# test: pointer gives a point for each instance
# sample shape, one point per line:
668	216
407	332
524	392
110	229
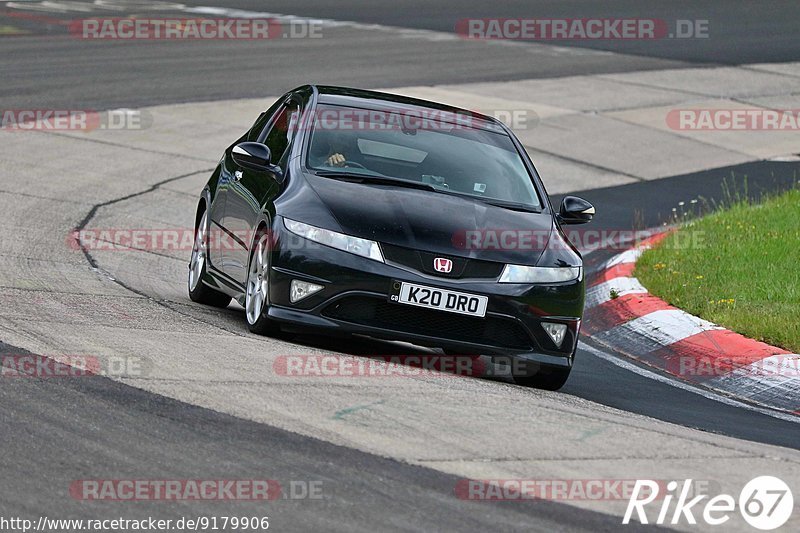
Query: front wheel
198	291
546	378
257	291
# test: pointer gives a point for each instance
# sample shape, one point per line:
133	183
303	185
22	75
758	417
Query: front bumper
355	299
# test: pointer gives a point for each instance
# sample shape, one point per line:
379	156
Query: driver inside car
334	156
336	159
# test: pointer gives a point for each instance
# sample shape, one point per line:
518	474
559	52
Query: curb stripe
628	256
727	343
601	293
688	347
623	270
616	312
711	354
727	399
655	239
772	381
651	332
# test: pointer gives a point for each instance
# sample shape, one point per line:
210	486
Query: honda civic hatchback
357	212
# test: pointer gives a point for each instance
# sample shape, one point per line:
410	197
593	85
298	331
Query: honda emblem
441	264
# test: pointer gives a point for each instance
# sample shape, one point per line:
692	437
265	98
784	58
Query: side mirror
575	210
254	156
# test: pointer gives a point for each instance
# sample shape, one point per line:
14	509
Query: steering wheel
353	164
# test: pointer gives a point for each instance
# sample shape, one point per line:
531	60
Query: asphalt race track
741	34
389	453
180	441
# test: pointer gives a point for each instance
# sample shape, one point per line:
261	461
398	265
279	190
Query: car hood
429	221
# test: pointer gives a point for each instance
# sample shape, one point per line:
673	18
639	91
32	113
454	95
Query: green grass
739	268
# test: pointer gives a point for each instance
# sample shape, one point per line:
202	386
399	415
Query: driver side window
281	132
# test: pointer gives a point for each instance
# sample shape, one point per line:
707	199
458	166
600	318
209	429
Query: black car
359	212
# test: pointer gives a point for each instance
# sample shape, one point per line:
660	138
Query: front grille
376	312
423	262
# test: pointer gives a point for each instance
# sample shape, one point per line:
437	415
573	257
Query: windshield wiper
514	206
382	180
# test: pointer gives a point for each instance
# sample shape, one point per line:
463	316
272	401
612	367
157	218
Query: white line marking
685	386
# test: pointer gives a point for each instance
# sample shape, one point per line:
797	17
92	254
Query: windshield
453	156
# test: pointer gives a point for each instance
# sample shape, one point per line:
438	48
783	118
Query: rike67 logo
765	502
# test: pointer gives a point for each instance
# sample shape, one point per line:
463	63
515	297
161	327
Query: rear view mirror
253	156
575	210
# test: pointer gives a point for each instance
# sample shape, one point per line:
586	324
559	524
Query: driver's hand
336	160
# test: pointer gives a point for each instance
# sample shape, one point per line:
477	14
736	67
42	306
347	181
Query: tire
257	288
546	379
198	291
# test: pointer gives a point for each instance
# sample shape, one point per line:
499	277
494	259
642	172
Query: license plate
441	299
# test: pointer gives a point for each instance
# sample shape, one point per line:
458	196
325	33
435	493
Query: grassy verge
739	268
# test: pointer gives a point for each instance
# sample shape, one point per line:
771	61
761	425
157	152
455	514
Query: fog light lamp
302	289
557	332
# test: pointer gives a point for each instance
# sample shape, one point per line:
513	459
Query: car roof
362	98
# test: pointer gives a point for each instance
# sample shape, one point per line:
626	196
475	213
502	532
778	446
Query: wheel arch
202	206
264	224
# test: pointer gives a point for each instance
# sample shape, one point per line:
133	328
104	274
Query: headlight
340	241
528	274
